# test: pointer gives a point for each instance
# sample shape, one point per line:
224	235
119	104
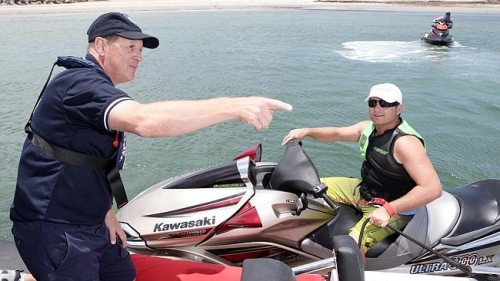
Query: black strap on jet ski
465	268
78	159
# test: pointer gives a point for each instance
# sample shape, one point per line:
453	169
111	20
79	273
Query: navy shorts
54	251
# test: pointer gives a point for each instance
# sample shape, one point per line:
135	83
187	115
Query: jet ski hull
438	40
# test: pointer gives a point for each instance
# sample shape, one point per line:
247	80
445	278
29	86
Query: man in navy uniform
64	224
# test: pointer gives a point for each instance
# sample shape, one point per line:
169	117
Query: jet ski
248	208
439	34
151	268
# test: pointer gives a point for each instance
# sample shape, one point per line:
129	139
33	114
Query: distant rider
446	19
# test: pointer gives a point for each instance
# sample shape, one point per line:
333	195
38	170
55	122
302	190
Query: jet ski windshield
295	172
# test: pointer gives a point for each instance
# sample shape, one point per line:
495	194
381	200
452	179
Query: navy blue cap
121	25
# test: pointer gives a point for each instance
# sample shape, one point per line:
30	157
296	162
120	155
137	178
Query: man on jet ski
396	174
446	19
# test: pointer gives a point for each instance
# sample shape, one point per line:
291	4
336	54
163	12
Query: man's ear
100	45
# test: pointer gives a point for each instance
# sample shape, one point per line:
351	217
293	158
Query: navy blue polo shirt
72	114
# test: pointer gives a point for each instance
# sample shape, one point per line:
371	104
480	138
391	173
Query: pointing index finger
277	104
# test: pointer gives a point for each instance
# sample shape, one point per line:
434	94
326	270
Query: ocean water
321	61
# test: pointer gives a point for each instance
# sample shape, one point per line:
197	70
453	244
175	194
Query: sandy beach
176	5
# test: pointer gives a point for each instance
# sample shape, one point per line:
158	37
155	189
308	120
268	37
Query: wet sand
131	6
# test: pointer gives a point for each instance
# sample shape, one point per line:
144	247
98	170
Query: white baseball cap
387	91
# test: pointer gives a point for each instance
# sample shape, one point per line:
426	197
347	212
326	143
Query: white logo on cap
129	18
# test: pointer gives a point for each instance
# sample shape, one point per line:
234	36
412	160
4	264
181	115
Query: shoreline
486	6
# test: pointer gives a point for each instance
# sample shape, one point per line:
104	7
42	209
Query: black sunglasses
382	103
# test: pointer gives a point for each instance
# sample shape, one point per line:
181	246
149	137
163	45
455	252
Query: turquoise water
321	61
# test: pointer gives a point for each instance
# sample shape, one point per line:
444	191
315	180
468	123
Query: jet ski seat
480	212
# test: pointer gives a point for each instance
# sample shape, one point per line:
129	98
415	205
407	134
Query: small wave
381	51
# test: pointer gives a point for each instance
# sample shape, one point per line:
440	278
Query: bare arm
328	134
173	118
410	152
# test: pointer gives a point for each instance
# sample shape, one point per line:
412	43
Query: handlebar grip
330	202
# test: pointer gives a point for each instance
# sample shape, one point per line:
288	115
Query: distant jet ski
439	35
